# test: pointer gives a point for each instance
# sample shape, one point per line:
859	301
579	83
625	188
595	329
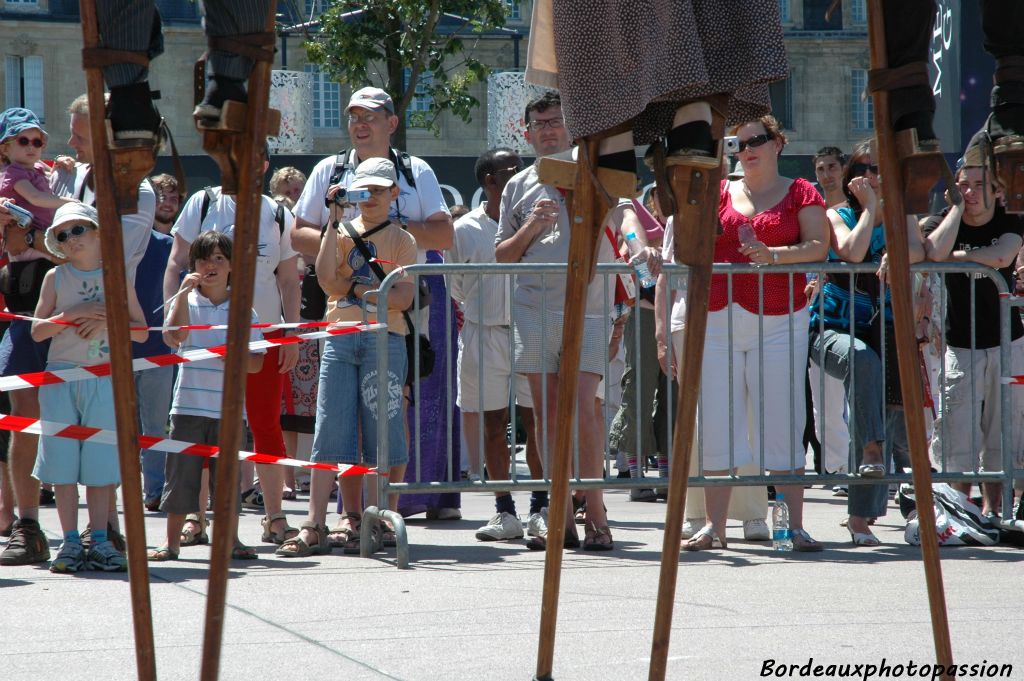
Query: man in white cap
420	207
421	210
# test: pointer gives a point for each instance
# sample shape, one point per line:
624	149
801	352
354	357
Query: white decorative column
291	92
507	96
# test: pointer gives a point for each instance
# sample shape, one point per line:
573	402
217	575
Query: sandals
387	535
704	539
346	529
252	498
804	543
162	554
597	538
862	538
271	537
296	547
243	552
189	536
871	470
288	494
540	543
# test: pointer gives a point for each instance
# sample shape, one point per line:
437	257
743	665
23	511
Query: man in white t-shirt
420	208
275	299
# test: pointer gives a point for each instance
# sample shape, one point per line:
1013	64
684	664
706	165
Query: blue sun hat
17	120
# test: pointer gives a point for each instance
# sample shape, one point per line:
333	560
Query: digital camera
731	144
346	198
20	215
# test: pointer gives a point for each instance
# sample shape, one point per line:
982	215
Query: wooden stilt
588	210
243	272
695	224
906	344
122	375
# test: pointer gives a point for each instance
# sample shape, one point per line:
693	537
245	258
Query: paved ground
469	610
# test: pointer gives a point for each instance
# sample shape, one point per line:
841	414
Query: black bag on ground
21	281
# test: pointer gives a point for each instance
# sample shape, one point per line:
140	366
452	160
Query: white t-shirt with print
273	246
415	204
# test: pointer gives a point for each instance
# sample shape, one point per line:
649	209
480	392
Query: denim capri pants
348	401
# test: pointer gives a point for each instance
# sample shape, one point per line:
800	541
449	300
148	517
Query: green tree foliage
373	42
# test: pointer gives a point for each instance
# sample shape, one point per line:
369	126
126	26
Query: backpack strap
378	271
403	164
341	164
279	218
208	198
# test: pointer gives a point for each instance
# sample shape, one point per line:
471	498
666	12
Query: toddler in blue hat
24	180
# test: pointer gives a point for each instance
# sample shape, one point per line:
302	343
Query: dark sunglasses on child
24	142
77	230
755	141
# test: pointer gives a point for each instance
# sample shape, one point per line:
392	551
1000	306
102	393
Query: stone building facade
41	42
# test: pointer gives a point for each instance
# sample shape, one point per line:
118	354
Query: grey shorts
537	342
184	472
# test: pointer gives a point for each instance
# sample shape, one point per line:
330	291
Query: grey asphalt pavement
471	610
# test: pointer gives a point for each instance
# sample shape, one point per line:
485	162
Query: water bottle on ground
782	536
638	259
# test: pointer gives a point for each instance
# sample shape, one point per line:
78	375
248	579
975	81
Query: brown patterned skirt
615	61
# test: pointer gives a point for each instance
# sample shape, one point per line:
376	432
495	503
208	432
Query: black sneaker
133	117
220	89
27	545
46	497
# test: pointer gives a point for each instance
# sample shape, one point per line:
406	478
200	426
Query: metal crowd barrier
605	277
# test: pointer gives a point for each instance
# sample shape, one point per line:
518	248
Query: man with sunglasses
976	229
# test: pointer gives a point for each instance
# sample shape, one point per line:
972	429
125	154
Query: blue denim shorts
61	461
348	400
19	354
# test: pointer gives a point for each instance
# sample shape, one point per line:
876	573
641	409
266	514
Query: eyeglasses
553	123
368	118
76	231
376	190
861	168
25	141
756	141
507	171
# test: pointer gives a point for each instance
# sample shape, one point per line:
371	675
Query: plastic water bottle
638	258
745	233
782	536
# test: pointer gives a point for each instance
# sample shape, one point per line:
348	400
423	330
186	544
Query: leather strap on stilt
255	46
1009	70
908	75
99	57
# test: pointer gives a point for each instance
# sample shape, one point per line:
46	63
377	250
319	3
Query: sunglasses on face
25	141
861	168
755	141
365	118
76	231
553	123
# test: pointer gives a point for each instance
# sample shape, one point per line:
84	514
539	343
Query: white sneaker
537	523
502	526
756	530
692	526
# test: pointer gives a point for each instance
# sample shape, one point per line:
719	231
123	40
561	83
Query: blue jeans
153	388
849	359
348	401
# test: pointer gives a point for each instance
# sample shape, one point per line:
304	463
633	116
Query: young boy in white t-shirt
195	411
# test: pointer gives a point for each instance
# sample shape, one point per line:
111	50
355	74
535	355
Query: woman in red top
766	219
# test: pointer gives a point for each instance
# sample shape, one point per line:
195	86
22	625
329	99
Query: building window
24	83
785	11
22	3
514	12
781	95
326	100
419	107
858	12
861	107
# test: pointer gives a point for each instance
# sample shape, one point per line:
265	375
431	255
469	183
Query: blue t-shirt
149	282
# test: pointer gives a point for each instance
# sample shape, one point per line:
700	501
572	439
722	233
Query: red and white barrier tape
21	424
39	378
6	316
